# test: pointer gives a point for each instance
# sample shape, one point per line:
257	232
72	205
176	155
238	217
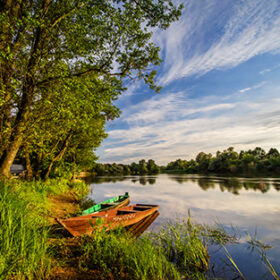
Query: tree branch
80	74
65	15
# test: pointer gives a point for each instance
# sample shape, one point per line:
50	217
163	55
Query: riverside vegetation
32	247
250	162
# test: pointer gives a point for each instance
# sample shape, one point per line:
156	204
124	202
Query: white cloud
192	46
267	70
253	87
166	127
245	89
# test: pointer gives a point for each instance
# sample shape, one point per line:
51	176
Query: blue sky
221	86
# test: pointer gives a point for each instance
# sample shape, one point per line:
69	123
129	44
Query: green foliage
229	161
141	168
246	162
63	64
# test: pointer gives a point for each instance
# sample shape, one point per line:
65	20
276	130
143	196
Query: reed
182	244
121	256
262	249
23	237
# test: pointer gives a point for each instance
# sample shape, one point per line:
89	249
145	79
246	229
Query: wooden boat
112	203
137	229
110	219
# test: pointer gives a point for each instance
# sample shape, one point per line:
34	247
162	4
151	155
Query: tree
273	153
203	161
142	167
152	167
50	45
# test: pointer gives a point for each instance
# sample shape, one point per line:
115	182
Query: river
251	205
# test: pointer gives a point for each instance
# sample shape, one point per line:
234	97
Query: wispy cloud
180	127
267	70
245	89
253	87
192	47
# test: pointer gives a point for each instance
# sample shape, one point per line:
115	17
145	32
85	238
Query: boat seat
108	204
141	208
126	211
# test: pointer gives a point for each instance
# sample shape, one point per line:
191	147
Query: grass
24	207
181	244
23	238
117	255
122	257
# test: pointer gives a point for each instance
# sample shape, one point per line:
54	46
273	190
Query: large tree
52	47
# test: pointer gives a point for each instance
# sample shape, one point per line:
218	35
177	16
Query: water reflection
143	180
231	184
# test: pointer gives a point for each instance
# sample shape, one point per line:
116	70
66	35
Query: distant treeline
143	167
229	161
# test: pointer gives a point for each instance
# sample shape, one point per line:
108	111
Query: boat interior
135	209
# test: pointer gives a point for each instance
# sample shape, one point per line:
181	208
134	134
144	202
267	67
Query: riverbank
33	246
27	224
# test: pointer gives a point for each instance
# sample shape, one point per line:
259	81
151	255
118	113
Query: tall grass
182	244
121	256
23	239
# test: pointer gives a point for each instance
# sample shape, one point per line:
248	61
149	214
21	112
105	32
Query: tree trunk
28	166
10	153
60	154
15	140
38	165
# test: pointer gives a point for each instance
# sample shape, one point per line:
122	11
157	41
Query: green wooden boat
112	203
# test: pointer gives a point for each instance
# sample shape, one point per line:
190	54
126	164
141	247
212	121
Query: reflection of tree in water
276	186
232	185
205	183
181	180
262	186
100	180
152	181
143	180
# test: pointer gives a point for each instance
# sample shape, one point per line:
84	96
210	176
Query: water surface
250	204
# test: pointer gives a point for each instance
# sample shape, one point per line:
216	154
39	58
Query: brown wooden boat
111	219
137	229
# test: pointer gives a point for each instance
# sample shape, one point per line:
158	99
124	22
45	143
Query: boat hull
113	203
108	220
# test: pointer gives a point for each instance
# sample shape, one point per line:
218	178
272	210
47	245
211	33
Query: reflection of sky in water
256	207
